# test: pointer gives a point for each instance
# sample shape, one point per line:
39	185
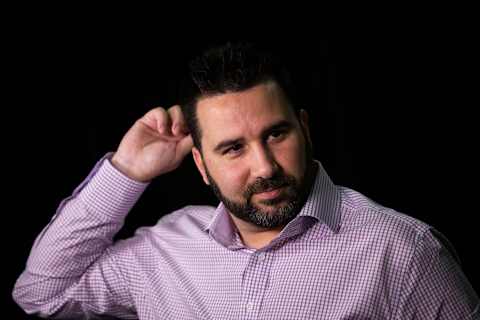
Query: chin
271	207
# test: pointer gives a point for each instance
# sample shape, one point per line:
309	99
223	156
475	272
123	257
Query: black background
391	113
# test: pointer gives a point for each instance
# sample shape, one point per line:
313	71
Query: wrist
123	167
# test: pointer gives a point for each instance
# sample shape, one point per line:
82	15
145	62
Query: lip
270	194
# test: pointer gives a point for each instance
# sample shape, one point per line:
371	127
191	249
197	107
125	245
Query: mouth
270	193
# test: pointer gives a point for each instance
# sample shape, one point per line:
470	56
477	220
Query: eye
233	149
277	134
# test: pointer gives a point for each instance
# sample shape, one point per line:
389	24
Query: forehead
241	114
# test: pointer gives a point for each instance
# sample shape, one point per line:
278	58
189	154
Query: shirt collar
323	204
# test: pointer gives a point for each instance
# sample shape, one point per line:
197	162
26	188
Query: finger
178	120
184	147
159	120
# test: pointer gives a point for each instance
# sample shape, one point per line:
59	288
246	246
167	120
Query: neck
254	236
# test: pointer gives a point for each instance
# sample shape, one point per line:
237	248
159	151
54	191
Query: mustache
268	184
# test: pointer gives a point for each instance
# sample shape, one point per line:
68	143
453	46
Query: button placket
250	306
261	256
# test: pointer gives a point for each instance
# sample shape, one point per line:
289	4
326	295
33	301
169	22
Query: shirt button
250	306
261	256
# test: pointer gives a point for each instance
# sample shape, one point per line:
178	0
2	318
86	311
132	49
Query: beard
293	195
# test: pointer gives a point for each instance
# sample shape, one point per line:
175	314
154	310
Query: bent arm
71	269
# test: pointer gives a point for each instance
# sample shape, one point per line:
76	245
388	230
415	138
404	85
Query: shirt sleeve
71	270
435	286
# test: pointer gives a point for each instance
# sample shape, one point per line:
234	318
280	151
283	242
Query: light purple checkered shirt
343	257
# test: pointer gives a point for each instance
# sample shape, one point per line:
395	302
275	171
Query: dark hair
232	67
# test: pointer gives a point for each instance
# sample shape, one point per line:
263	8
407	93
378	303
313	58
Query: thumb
184	146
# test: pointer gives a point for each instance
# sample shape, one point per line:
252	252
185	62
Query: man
284	242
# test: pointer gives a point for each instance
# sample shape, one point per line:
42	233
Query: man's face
252	142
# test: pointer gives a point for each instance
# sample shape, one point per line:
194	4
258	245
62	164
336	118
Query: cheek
292	157
232	179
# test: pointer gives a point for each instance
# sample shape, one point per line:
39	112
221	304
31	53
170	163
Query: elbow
27	298
32	297
22	298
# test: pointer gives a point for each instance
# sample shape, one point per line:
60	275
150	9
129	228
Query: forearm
78	235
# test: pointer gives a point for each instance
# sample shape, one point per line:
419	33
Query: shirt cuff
110	192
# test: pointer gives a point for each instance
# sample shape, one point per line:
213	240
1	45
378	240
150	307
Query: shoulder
199	216
188	221
185	224
422	265
364	215
404	238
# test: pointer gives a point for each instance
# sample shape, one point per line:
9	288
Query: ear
197	157
304	124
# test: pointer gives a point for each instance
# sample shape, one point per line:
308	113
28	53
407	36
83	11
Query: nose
263	163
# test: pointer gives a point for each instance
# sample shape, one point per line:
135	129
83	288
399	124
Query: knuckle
157	110
175	114
155	113
174	111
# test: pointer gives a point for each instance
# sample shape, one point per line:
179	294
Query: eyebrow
282	124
